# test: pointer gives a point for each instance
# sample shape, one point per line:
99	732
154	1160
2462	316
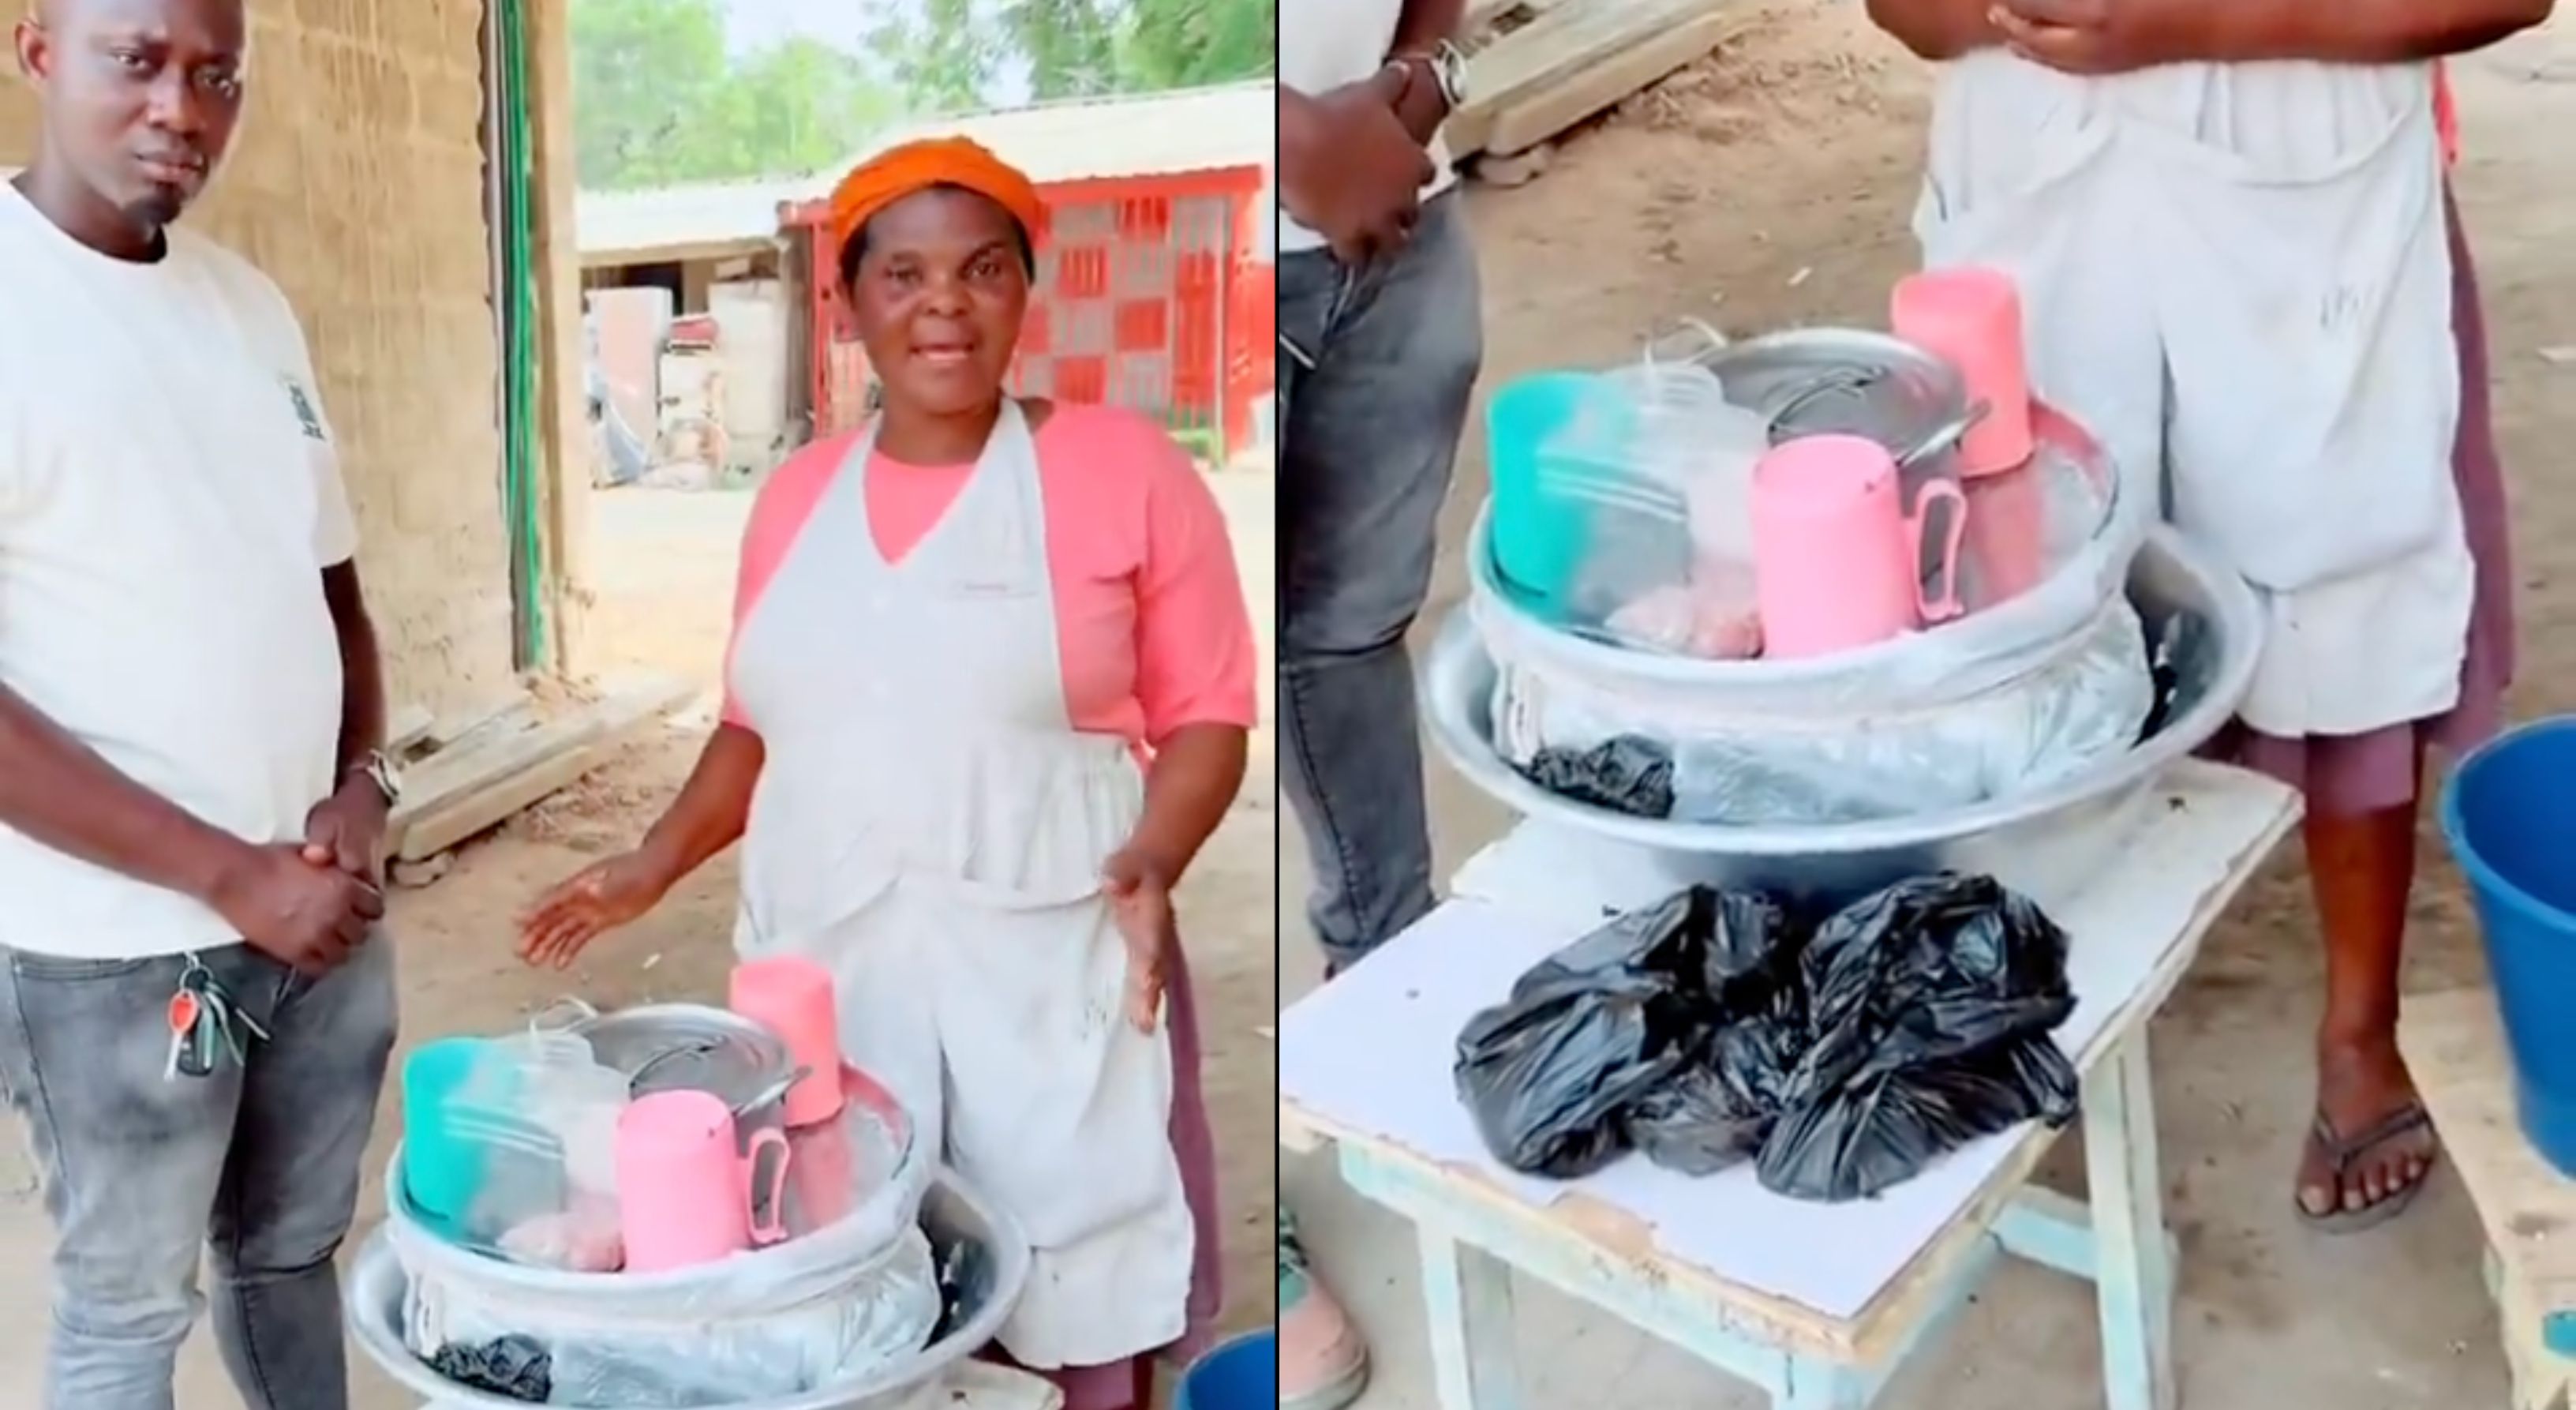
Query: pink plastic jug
1971	318
792	997
687	1195
1835	556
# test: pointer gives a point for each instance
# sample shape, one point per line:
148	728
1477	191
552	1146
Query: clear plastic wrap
1634	521
853	1287
630	1352
2076	526
534	1120
1752	767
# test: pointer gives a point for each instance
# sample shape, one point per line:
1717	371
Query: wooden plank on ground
483	781
476	716
1542	66
407	727
1481	14
1608	83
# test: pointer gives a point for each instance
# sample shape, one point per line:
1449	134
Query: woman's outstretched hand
600	898
1140	900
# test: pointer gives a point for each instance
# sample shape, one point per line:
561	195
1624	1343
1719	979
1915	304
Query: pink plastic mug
792	997
1970	317
686	1195
1836	559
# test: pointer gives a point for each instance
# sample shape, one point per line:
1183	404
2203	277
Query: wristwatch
1447	64
378	768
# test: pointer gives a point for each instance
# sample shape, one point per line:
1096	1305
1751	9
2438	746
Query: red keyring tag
185	1011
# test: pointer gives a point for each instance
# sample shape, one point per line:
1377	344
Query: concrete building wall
357	184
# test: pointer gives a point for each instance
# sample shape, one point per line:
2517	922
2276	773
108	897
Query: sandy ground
1772	186
666	564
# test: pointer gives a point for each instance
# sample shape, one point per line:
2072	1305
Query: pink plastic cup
1971	318
2007	530
687	1195
1836	558
826	1183
792	997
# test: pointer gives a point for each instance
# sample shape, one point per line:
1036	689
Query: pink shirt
1150	619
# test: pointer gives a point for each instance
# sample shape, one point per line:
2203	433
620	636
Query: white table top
1368	1058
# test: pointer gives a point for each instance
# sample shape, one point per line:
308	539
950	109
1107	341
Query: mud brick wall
357	184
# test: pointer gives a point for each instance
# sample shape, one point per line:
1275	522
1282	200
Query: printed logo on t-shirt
305	415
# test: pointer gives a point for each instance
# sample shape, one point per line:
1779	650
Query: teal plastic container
1539	537
443	1168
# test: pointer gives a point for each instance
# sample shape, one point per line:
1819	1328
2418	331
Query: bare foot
2371	1144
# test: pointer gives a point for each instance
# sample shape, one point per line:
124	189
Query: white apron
930	827
2240	276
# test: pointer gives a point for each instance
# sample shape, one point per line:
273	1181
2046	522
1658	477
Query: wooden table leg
1467	1296
2135	1275
2540	1376
1818	1385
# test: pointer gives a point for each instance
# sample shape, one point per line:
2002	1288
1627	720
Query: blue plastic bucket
2509	815
1239	1375
1538	538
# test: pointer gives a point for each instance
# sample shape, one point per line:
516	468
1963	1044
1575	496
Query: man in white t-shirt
195	1014
1381	337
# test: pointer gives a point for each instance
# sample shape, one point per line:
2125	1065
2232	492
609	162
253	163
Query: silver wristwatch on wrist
1447	65
378	768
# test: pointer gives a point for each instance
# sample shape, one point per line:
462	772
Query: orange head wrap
913	167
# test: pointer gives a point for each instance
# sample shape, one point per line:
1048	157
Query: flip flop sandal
2344	1152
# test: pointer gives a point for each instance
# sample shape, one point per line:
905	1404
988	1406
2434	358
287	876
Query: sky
757	22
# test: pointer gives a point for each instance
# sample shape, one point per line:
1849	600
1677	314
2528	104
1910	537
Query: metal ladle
776	1091
1946	438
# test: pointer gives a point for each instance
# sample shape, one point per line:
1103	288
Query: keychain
205	1023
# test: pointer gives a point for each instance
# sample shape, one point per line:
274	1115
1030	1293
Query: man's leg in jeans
1369	437
308	1106
131	1161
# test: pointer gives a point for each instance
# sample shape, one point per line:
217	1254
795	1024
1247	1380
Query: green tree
641	69
945	55
800	105
658	99
1193	43
942	59
1070	46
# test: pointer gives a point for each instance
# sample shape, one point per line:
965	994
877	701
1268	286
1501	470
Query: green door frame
511	200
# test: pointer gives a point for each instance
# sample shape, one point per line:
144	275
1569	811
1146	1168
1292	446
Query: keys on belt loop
206	1024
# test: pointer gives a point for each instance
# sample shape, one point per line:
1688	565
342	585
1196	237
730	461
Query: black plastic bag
1551	1075
1629	774
1719	1110
1748	957
514	1368
1930	1006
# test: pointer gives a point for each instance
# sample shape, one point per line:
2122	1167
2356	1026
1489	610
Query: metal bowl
987	1249
1841	381
2208	614
693	1047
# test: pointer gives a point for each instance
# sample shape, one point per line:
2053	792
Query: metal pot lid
689	1047
1831	381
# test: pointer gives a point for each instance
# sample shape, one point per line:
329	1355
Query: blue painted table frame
1470	1248
1473	1238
